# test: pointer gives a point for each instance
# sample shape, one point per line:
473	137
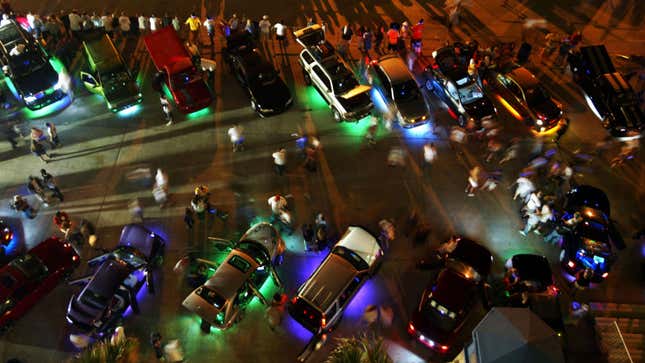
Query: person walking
141	20
20	204
280	160
155	341
52	134
209	24
392	39
429	156
166	108
38	149
193	27
237	139
160	188
281	35
50	183
136	210
189	218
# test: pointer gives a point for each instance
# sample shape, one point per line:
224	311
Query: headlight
538	122
266	110
30	99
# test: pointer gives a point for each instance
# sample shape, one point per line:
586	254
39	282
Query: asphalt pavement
99	168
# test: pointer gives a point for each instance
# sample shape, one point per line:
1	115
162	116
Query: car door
383	82
453	95
239	71
322	82
91	83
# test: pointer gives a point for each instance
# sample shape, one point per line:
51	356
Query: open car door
91	83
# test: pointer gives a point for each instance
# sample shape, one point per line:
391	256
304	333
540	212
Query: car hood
273	96
428	325
37	81
193	93
412	110
123	92
480	108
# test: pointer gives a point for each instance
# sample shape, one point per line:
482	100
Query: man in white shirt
265	28
280	160
154	23
142	23
75	22
5	20
277	203
106	19
281	34
235	133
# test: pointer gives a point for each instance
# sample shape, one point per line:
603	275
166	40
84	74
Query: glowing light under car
510	108
132	110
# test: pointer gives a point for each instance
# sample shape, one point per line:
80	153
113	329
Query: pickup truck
184	80
107	74
26	64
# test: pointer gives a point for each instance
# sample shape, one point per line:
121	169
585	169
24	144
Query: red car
183	79
29	277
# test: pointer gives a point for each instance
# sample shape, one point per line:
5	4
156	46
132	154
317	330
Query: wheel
337	116
306	77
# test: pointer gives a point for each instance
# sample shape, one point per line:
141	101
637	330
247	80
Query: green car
108	75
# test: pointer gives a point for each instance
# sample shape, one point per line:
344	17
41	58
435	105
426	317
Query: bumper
408	124
429	343
184	108
359	114
46	100
122	105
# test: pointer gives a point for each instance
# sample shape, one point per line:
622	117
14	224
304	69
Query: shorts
280	37
391	46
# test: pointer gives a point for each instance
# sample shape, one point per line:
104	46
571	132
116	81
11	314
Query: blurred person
124	24
370	136
417	37
524	188
166	108
280	160
237	139
155	341
176	24
234	23
281	35
166	20
174	352
155	23
189	218
392	39
5	20
108	20
346	32
141	20
277	203
20	204
379	35
75	23
396	156
276	310
97	22
136	210
160	188
52	134
50	183
39	150
429	156
210	25
474	177
551	41
265	29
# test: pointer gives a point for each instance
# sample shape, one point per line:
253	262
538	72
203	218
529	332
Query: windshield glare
406	91
470	93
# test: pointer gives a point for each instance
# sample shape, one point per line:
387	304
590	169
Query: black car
268	93
608	94
449	298
589	232
27	65
531	274
522	94
449	79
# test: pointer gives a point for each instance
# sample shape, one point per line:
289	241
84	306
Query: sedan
28	278
449	298
521	93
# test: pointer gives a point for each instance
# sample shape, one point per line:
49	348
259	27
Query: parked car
449	298
268	93
463	94
113	286
29	277
608	94
321	301
222	299
530	278
589	233
522	94
400	91
107	73
27	65
174	62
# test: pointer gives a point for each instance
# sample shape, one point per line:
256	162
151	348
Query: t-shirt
277	204
280	157
124	23
142	22
75	22
393	36
234	133
193	23
154	22
429	153
280	29
417	31
265	26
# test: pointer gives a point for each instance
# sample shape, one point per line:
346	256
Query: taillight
294	300
411	328
604	276
323	322
571	264
444	348
75	258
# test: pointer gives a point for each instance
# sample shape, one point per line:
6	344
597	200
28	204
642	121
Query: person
174	352
167	109
388	233
155	341
141	20
524	188
237	139
124	24
62	221
107	24
154	23
367	43
75	23
265	29
189	219
524	52
563	51
277	203
417	37
160	188
308	236
209	24
21	205
583	279
234	23
36	186
280	160
533	202
533	218
474	177
379	35
370	136
193	27
347	33
176	24
551	40
52	134
136	210
50	183
429	155
275	312
392	39
166	20
39	150
281	34
396	157
12	135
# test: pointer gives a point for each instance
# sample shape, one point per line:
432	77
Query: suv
320	302
400	91
222	299
108	74
28	67
608	94
331	76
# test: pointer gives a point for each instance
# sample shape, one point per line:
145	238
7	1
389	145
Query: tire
337	117
306	77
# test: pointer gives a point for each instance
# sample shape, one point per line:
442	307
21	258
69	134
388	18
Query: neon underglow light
47	110
198	113
510	108
57	64
313	99
367	295
132	110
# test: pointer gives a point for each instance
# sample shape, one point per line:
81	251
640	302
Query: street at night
169	212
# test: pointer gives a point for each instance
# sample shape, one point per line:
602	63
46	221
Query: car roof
395	69
327	282
264	235
102	52
361	242
524	77
227	279
452	290
597	59
107	278
474	254
532	267
586	195
139	237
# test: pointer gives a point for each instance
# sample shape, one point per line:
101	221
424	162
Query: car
324	69
400	91
450	297
120	274
533	276
27	65
223	298
268	93
609	96
448	78
6	233
29	277
173	61
320	301
589	233
108	74
522	94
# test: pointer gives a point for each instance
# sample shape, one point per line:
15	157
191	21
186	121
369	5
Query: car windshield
265	78
351	257
130	256
254	250
470	93
446	319
183	79
211	296
239	263
536	95
23	65
406	91
94	299
463	269
115	80
344	83
31	266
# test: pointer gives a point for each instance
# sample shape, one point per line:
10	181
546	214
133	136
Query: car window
130	255
350	290
94	300
31	266
351	257
515	89
452	91
536	95
383	79
322	76
470	93
210	296
331	311
239	263
406	91
308	58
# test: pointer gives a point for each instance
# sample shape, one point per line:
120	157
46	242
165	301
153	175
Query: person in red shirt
417	36
392	39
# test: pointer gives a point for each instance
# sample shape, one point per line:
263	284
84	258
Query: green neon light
356	129
198	113
57	65
313	99
47	110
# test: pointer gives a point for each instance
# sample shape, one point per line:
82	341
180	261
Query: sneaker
168	123
523	233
